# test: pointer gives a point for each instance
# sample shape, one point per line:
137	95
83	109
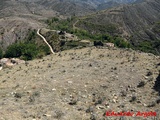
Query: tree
26	51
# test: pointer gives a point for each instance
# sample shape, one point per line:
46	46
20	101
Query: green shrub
14	50
145	46
26	51
119	42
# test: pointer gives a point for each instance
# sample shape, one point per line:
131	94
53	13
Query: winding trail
45	41
74	25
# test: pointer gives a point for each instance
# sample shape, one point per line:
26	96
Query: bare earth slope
15	29
17	18
80	84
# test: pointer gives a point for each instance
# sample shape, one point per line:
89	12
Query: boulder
111	45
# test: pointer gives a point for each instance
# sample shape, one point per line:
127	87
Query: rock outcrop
9	62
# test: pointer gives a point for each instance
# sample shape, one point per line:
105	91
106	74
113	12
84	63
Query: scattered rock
133	99
73	101
101	56
36	94
141	84
158	100
149	73
99	101
121	106
100	107
151	104
90	109
17	95
90	65
70	82
31	99
49	65
58	114
63	71
123	93
47	115
93	116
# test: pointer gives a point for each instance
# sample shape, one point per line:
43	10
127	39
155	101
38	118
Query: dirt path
45	41
74	25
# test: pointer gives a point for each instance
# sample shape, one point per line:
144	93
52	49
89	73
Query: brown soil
80	84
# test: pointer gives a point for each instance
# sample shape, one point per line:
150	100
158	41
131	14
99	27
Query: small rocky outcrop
9	62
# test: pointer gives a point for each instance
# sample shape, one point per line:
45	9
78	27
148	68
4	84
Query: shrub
14	50
145	46
119	42
26	51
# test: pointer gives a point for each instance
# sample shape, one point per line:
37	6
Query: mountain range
79	7
137	20
138	23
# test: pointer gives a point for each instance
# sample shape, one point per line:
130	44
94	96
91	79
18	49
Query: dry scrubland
80	84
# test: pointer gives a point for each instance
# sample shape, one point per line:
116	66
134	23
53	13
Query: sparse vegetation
64	25
106	33
98	28
156	28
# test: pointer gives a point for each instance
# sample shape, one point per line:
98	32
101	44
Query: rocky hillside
138	23
78	7
24	9
81	84
17	18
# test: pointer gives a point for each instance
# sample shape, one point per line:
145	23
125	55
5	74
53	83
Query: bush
119	42
29	52
26	51
145	46
14	50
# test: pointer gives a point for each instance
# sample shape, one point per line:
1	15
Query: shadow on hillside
157	84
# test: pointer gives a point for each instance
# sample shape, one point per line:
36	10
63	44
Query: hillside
138	23
18	18
81	84
23	9
78	7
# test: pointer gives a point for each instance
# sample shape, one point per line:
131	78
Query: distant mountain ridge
138	23
79	7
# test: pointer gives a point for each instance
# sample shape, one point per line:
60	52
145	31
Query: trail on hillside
74	25
51	49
